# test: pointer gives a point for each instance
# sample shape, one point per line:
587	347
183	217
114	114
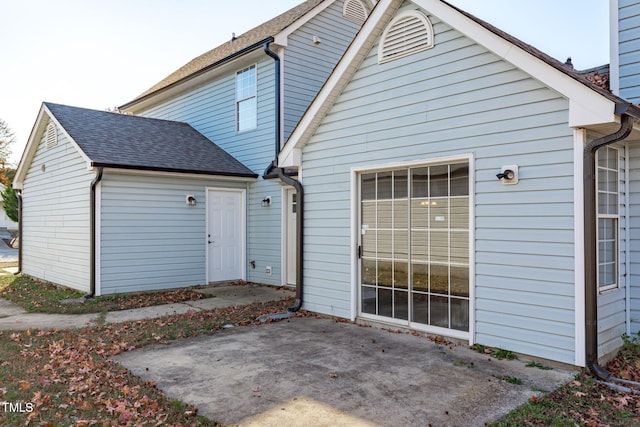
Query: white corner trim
98	240
614	47
355	241
579	141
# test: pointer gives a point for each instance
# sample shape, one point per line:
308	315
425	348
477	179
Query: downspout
19	233
289	181
590	248
92	232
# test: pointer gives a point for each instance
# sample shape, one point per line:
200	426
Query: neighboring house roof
237	45
129	142
590	103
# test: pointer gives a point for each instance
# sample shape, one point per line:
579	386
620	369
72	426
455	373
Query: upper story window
607	177
246	99
408	33
354	10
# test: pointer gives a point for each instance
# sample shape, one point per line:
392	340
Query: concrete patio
318	372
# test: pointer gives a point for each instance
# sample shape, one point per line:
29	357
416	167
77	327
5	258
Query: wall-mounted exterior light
191	200
266	202
508	175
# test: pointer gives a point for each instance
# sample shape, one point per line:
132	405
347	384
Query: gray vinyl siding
150	239
307	66
457	99
211	110
634	234
55	240
629	49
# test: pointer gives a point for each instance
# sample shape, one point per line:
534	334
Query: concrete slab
8	308
308	371
47	321
147	312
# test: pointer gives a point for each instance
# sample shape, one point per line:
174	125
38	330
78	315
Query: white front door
225	235
291	215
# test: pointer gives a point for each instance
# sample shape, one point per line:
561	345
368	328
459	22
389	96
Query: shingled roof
256	35
140	143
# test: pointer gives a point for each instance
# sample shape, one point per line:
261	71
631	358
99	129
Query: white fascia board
614	47
190	83
282	38
115	170
586	106
71	140
339	78
34	142
30	149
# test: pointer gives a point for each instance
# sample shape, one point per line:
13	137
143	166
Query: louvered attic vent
354	11
408	33
52	135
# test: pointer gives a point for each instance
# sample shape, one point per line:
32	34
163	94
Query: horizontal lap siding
634	234
211	110
612	323
307	65
629	49
150	239
458	99
55	240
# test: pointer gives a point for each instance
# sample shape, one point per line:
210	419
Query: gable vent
408	33
354	11
52	135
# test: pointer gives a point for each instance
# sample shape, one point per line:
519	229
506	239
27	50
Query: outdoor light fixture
508	175
266	202
191	200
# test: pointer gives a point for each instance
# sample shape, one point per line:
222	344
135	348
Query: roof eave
198	73
249	176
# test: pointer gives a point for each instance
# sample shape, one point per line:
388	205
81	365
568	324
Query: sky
101	54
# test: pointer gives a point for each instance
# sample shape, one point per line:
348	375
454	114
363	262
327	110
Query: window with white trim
246	99
607	178
408	33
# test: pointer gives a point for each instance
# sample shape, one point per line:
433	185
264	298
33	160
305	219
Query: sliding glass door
414	253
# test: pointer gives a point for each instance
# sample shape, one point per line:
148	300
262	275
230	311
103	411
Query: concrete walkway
14	317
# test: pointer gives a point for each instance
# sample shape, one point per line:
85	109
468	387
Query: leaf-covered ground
587	402
67	378
44	297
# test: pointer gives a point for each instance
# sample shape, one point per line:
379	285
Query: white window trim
355	236
616	285
238	100
408	14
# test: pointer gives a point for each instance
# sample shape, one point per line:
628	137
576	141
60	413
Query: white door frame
356	236
243	229
286	213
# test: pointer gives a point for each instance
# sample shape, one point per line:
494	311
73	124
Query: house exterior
399	161
123	223
445	181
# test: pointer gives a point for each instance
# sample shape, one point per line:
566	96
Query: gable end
410	32
354	10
